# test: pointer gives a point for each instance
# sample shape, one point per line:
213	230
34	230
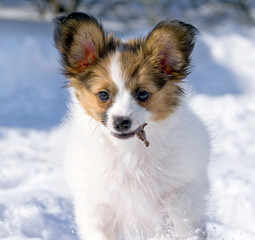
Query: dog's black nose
121	124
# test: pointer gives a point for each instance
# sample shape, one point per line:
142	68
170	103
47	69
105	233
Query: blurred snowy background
33	203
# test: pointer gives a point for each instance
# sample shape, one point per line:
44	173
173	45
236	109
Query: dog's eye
142	95
103	96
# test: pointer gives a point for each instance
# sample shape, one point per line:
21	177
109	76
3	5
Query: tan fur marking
162	101
100	81
92	105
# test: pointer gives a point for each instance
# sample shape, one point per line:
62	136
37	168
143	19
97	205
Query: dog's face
124	85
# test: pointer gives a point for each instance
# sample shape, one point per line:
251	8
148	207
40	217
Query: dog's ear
80	40
171	43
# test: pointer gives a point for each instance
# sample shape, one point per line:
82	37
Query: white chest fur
125	181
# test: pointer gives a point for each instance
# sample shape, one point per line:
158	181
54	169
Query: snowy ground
33	201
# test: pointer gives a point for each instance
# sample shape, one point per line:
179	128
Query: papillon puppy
128	180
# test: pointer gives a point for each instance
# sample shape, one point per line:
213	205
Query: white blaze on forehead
123	99
115	71
124	103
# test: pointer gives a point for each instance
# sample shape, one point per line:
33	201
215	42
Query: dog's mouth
124	135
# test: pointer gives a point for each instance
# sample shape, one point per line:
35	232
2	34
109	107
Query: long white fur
122	188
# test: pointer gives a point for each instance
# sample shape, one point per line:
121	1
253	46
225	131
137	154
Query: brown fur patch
85	50
163	102
89	84
156	63
142	73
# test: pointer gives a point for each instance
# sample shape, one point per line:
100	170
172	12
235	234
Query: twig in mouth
140	133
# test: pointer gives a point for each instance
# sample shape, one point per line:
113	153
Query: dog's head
124	84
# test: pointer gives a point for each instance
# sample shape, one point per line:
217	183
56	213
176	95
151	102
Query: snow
34	201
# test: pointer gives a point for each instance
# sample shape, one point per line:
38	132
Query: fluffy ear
80	40
171	43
